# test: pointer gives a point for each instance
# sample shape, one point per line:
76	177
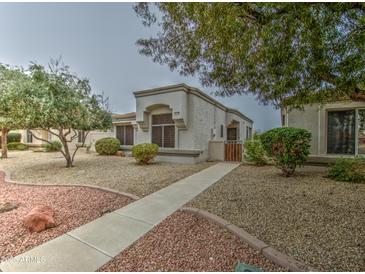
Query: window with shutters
125	134
163	130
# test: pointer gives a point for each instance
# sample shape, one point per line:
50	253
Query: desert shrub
22	146
288	147
254	151
53	146
13	145
107	146
144	153
14	137
348	170
17	146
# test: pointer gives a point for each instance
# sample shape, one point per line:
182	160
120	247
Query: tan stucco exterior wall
314	119
198	118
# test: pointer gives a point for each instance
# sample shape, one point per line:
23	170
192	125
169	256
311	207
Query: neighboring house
188	125
31	141
338	129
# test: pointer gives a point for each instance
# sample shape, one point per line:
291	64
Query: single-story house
188	125
338	129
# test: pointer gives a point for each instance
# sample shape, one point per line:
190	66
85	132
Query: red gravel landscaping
185	242
73	206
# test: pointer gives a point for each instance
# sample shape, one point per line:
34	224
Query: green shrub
107	146
14	137
22	146
17	146
144	153
348	170
13	145
53	146
288	147
254	151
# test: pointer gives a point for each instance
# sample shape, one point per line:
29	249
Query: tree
288	147
62	104
11	81
284	53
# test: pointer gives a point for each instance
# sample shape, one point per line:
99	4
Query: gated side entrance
233	151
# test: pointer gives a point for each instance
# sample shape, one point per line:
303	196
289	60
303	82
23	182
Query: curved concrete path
92	245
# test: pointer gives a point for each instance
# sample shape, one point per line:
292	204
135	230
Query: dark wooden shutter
129	135
157	135
169	136
29	136
80	136
120	134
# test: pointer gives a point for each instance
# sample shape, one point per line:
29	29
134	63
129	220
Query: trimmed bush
254	151
53	146
144	153
22	146
348	170
107	146
288	147
13	145
17	146
14	137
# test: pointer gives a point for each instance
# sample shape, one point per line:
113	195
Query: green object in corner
241	267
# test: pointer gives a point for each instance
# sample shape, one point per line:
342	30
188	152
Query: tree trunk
67	154
4	143
68	161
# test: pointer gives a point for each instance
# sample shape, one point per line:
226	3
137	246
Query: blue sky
98	40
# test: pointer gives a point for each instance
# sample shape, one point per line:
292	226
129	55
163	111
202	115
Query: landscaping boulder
39	218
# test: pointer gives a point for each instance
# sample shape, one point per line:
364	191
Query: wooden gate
233	151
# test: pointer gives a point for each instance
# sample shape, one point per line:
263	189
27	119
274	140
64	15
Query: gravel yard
73	206
184	242
314	219
119	173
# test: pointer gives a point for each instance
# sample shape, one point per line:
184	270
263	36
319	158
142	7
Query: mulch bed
73	206
185	242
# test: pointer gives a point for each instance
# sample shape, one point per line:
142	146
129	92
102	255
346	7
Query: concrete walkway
92	245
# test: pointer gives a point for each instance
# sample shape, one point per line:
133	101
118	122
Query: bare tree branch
39	138
44	140
82	144
75	135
